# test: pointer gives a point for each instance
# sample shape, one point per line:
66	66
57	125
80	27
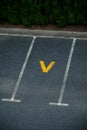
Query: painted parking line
42	36
76	87
65	77
12	53
38	86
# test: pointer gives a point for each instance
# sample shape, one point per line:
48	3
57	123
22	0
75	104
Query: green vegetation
28	12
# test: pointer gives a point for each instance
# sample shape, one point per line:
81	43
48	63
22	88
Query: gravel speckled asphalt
37	89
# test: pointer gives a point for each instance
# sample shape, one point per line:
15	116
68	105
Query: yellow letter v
48	68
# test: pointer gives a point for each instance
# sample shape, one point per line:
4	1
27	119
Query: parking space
43	83
41	87
12	54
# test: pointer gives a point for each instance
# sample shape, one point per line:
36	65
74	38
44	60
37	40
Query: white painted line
66	73
59	104
53	37
26	35
61	37
66	105
38	36
21	72
10	100
21	35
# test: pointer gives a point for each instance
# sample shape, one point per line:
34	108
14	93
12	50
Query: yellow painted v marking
48	68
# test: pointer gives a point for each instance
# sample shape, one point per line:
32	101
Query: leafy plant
28	12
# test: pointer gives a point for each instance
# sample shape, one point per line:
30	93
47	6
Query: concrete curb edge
35	32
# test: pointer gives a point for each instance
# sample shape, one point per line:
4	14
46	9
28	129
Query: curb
53	33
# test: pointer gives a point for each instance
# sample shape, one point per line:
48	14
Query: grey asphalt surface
37	89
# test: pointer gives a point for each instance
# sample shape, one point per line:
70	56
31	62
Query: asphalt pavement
43	83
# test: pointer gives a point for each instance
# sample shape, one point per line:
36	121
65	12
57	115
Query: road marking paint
48	68
18	35
59	104
67	71
11	100
21	73
43	36
66	74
